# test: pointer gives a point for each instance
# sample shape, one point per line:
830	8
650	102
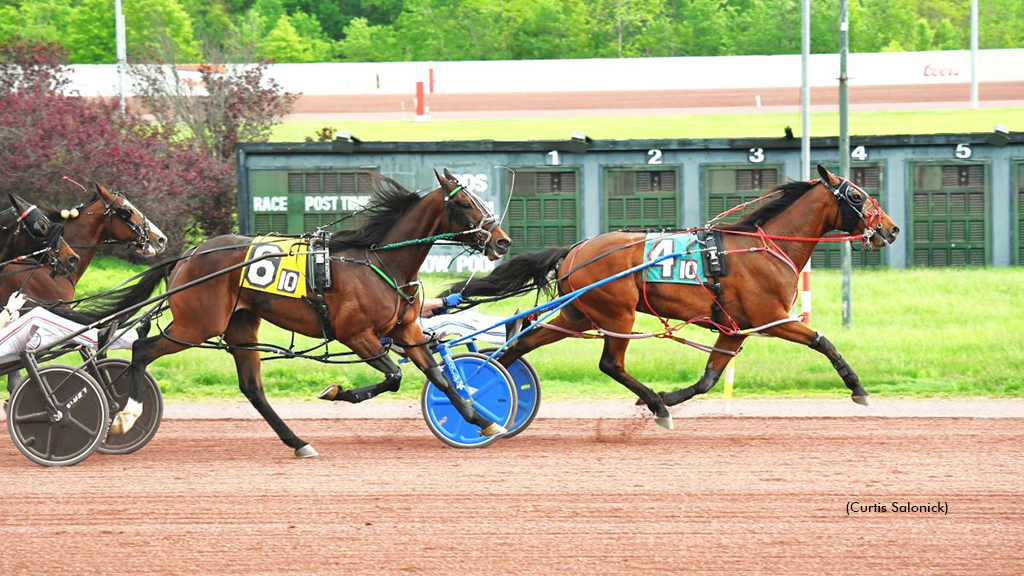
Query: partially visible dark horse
758	290
106	219
364	304
26	230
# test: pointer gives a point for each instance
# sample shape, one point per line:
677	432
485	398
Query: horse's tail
520	274
115	301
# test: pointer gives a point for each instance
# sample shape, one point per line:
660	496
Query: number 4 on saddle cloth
700	261
699	257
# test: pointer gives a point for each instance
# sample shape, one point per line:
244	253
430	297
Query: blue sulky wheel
493	395
527	393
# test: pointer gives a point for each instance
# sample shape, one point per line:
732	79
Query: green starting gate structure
958	197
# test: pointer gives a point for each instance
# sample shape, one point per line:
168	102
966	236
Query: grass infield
917	332
768	124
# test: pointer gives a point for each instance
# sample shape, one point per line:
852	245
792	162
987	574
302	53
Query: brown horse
758	289
108	218
26	232
375	293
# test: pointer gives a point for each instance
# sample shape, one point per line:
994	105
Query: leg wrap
706	382
818	343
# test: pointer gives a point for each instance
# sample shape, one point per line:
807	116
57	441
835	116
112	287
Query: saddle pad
687	268
283	276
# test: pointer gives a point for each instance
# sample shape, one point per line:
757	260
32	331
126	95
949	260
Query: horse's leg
369	348
717	362
244	329
801	334
613	363
144	352
421	357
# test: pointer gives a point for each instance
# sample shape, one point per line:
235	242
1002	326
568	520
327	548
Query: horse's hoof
125	419
494	429
329	393
664	421
862	400
306	451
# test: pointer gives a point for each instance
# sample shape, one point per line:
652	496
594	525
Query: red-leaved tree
47	133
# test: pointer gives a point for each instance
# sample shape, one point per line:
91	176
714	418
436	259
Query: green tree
881	24
214	27
43	20
321	47
1001	24
948	37
91	37
923	35
152	23
367	43
283	44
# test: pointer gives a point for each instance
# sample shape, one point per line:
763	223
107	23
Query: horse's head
468	213
34	232
857	212
127	225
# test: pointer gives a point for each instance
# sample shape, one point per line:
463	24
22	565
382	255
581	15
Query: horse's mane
790	193
390	201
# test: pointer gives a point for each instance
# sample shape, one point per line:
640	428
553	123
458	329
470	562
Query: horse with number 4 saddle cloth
682	276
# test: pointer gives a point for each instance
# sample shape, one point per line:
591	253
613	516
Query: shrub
47	133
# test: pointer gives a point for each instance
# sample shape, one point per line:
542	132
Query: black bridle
850	208
44	236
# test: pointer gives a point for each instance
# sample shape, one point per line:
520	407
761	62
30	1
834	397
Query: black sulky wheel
74	432
112	374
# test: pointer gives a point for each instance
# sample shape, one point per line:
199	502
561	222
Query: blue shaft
564	300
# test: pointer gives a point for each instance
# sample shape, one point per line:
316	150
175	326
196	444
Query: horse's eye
42	229
123	213
856	197
465	205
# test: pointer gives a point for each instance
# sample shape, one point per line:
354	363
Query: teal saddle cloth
687	268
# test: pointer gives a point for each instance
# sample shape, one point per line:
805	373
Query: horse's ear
449	176
102	190
828	176
441	179
17	203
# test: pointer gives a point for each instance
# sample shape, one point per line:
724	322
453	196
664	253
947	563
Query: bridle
852	210
44	237
483	228
112	212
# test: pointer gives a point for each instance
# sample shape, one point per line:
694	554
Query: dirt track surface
656	99
606	496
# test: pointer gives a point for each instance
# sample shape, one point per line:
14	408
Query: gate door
543	210
727	187
641	199
950	213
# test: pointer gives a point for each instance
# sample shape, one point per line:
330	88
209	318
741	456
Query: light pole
974	54
121	51
844	149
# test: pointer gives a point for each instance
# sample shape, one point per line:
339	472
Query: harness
319	279
714	269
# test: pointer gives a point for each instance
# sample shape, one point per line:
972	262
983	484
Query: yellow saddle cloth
284	275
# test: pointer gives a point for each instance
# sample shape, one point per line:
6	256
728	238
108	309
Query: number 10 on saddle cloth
284	276
687	268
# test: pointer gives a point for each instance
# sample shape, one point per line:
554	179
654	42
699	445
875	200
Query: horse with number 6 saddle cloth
302	271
